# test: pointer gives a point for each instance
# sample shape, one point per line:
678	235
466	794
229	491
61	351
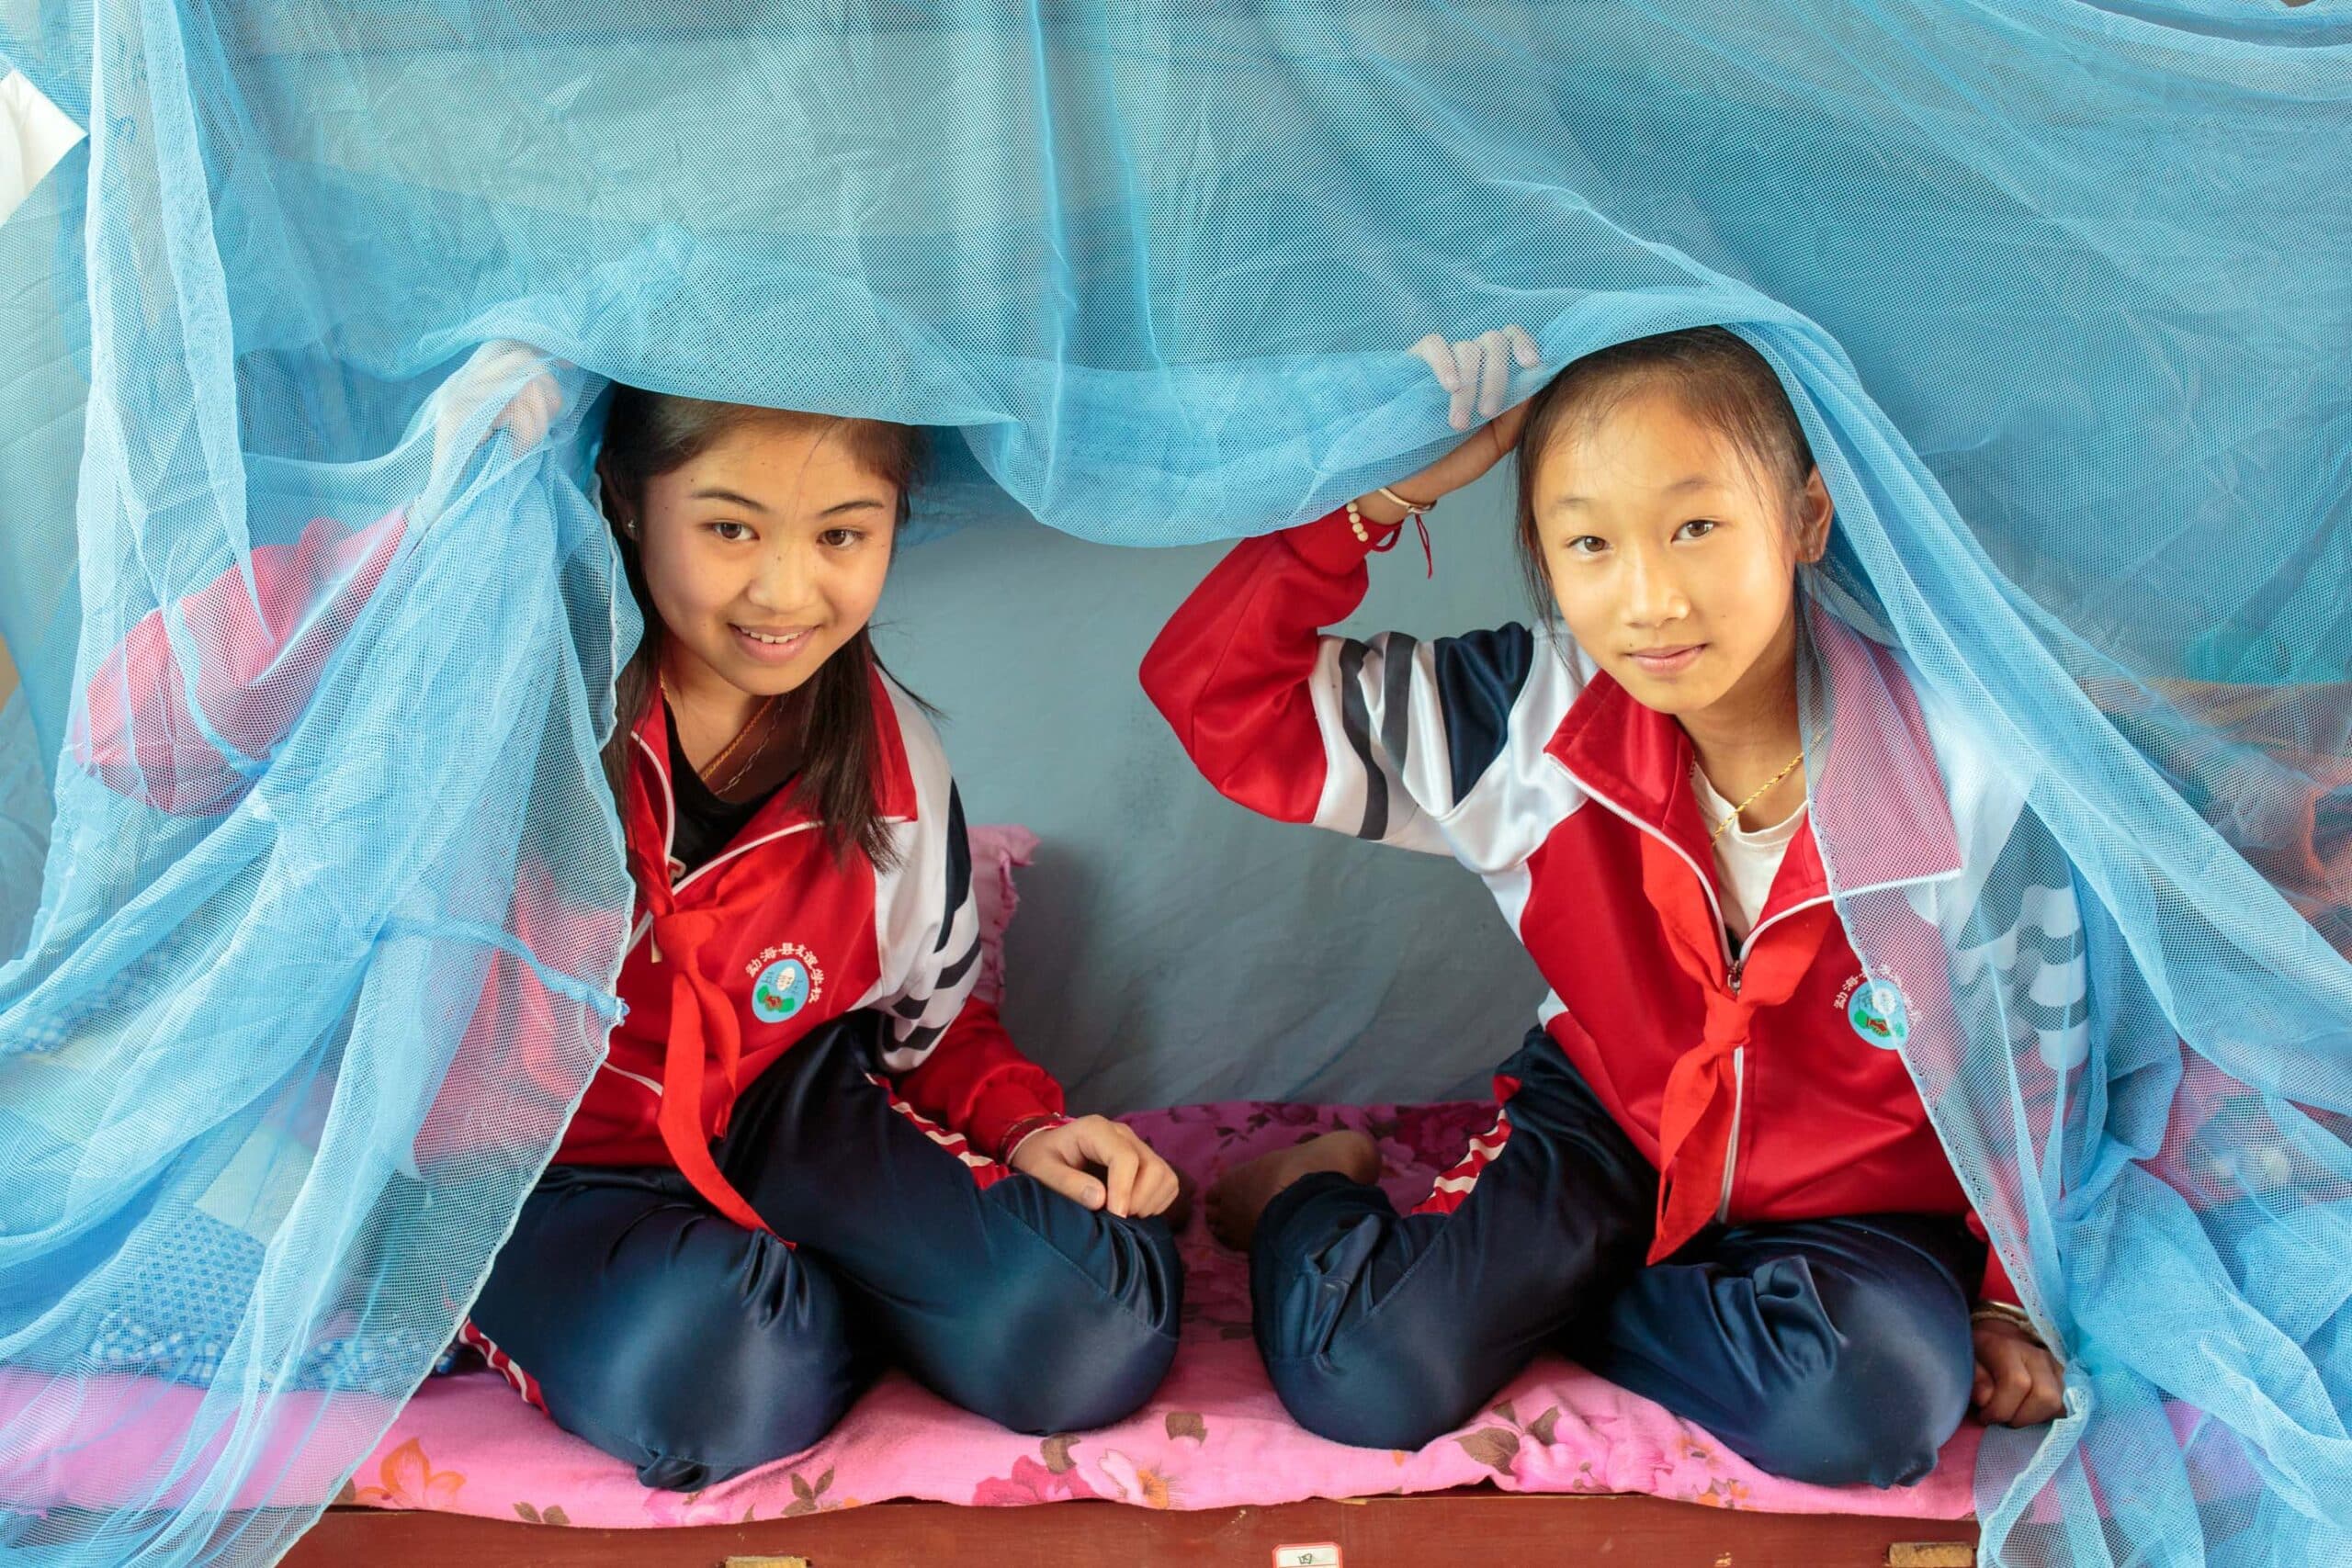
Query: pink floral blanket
1214	1437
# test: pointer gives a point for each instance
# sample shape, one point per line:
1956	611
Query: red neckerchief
702	1022
704	1025
1696	1122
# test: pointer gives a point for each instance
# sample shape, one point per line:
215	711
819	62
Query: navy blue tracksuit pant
1833	1350
670	1337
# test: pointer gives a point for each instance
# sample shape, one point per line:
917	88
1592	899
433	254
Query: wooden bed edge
1473	1525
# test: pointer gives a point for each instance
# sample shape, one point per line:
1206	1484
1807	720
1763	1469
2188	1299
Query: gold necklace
744	771
749	725
1720	827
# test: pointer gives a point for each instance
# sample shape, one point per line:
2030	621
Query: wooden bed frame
1477	1526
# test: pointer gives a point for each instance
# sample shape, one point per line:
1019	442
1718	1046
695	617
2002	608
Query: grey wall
1171	945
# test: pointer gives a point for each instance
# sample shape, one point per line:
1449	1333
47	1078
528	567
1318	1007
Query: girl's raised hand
1476	372
516	377
1098	1163
513	371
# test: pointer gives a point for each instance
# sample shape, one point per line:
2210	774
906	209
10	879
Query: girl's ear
608	496
1814	511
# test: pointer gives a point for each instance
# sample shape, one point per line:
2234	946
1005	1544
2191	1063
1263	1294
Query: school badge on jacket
1876	1010
788	979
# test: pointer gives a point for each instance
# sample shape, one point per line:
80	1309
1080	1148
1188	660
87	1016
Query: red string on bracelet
1428	556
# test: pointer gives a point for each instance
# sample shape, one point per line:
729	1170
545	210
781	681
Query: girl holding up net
1710	1179
810	1151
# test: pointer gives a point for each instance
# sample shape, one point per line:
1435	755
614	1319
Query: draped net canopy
2060	290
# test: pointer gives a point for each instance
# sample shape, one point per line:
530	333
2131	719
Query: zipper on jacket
1731	1146
1735	964
1738	1093
679	875
1714	905
1739	1057
718	860
1748	947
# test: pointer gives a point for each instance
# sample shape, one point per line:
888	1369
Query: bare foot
1241	1194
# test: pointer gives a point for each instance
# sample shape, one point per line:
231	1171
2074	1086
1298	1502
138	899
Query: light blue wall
1171	946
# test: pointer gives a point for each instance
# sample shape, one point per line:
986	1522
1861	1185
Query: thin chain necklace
743	770
1721	826
710	768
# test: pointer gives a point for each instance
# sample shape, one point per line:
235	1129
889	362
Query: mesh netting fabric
2059	289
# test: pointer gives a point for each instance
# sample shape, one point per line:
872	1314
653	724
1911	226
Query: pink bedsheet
1214	1436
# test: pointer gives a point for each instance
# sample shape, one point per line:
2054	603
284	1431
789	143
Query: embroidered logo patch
787	981
1877	1011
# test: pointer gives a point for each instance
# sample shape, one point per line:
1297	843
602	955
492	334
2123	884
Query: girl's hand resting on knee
1099	1163
2018	1382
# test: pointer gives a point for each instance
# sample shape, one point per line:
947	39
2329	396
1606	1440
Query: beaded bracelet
1413	509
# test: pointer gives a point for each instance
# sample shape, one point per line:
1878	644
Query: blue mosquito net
316	662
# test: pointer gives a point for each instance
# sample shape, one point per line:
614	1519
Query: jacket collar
653	800
1882	791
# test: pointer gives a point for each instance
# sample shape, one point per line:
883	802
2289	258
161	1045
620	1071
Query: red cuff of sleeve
1022	1131
1330	543
1008	1098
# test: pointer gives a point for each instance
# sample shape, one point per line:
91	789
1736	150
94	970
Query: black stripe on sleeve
1355	719
959	865
915	1007
955	972
1396	699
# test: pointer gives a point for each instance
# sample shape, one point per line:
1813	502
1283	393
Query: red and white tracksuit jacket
1761	1081
729	964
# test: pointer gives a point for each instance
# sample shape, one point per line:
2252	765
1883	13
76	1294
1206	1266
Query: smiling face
1671	554
764	553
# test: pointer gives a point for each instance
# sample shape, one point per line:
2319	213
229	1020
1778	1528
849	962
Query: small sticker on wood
1931	1555
1316	1554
